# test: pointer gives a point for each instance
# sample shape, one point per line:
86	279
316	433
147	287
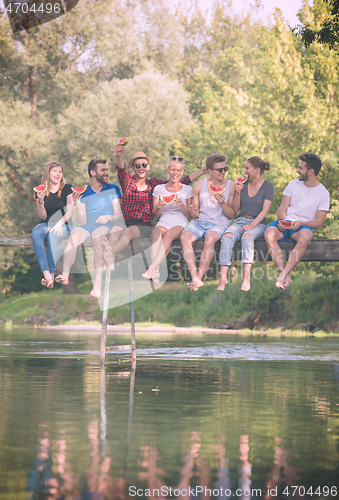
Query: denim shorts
289	232
201	228
92	226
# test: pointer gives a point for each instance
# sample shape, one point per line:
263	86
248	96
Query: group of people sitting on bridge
112	219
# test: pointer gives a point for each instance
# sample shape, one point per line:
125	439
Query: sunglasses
178	158
221	170
139	165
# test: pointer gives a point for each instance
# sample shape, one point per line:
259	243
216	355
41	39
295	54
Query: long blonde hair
45	177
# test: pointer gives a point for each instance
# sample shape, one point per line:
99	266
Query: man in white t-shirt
305	203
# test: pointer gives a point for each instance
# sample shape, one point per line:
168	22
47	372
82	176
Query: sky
289	8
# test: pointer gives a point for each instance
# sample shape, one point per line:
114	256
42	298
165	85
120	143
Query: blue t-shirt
100	203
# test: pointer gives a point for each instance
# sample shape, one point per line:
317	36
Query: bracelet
41	203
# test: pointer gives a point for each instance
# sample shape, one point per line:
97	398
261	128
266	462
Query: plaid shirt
138	204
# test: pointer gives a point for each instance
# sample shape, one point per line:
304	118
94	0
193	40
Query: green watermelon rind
38	190
218	189
84	189
171	197
125	141
242	180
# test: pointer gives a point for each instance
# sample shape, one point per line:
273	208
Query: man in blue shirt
97	209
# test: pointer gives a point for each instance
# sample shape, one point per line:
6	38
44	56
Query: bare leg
225	255
187	238
156	249
99	262
223	278
125	237
272	235
302	237
208	252
246	282
77	236
161	251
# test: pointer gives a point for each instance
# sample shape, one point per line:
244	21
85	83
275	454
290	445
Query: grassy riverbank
310	304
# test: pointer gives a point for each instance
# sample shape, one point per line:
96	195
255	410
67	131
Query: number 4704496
325	491
23	8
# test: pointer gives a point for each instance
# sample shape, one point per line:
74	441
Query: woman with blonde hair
174	216
55	209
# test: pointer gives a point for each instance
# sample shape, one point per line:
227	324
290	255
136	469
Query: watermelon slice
215	189
168	199
287	224
123	141
42	188
242	180
80	190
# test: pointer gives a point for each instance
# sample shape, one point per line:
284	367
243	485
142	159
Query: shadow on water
188	426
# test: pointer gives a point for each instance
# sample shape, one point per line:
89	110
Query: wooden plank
318	250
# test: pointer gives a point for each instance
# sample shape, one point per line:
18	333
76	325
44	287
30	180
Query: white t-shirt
305	201
172	215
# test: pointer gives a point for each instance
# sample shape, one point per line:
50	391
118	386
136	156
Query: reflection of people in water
246	467
44	481
223	481
50	482
281	472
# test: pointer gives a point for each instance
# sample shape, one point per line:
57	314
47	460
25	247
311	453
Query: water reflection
212	429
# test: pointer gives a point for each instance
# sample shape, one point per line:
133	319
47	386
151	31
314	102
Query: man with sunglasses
137	198
214	213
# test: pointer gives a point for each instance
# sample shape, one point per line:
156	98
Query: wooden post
104	316
131	305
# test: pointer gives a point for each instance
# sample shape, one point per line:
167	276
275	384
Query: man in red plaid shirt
137	198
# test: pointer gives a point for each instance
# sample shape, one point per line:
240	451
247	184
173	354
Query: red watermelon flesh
286	223
80	190
168	199
123	141
215	189
42	188
242	180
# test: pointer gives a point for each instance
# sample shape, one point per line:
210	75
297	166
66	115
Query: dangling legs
77	236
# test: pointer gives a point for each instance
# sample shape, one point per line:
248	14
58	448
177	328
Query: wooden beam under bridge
317	250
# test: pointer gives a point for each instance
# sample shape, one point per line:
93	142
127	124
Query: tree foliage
324	32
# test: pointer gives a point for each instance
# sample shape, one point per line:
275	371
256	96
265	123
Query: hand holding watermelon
219	198
41	191
123	141
286	224
78	192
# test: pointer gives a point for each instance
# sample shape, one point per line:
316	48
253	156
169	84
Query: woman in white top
173	216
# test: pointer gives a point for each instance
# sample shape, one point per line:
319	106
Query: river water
199	416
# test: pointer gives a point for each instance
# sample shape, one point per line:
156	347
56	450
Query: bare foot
148	274
287	281
195	284
96	290
62	279
223	282
246	285
280	283
107	253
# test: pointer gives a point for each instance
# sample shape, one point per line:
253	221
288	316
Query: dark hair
212	159
257	162
93	165
312	161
